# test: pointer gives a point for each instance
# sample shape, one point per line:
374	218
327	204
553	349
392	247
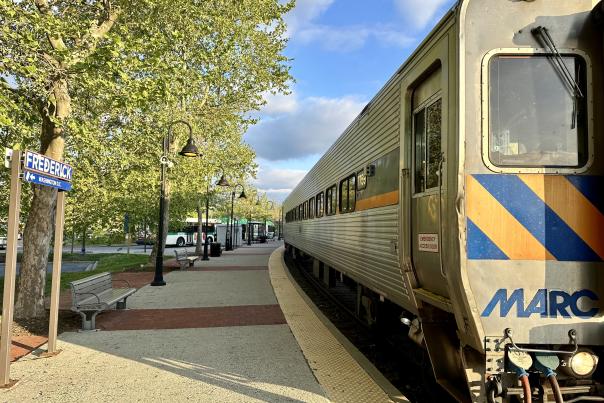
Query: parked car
142	241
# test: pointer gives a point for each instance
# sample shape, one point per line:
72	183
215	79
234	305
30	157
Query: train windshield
536	119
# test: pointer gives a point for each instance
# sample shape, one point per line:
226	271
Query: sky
343	52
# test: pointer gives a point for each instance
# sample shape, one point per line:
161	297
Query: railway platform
235	328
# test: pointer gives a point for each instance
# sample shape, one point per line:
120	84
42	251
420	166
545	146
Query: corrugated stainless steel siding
370	136
361	244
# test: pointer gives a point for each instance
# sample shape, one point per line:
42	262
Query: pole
145	234
158	280
56	274
83	251
205	244
229	244
280	225
250	231
10	271
72	235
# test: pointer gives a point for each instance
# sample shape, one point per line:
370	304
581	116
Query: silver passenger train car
469	194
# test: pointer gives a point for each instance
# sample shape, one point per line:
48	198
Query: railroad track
398	358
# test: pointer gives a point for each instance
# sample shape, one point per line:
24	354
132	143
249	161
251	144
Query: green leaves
206	62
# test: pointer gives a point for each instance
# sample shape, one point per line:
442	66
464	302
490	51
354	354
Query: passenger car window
535	118
311	208
348	194
331	200
320	203
427	130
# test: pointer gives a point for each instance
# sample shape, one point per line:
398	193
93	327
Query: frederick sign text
42	164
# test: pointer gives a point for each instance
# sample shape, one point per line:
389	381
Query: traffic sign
36	178
47	166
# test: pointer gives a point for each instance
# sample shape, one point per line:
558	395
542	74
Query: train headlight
583	363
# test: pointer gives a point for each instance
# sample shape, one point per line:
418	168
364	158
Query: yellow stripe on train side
571	206
502	228
381	200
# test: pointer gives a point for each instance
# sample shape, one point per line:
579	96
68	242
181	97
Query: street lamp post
221	182
229	244
206	241
249	230
281	225
249	225
189	150
272	206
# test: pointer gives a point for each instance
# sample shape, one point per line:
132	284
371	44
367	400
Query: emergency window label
427	242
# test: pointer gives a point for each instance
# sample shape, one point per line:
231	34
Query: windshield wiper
546	40
542	35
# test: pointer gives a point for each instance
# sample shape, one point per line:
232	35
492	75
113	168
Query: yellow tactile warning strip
340	375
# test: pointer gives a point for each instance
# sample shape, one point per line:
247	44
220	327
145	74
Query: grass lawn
111	262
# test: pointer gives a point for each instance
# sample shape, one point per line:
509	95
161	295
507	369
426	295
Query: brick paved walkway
214	333
184	318
23	345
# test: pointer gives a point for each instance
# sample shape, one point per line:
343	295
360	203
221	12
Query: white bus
188	234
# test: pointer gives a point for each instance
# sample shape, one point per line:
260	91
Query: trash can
215	249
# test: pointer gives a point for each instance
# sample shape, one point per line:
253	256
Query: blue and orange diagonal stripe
535	217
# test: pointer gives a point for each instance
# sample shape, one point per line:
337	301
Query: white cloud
304	12
277	183
309	129
279	103
279	179
301	26
419	12
347	39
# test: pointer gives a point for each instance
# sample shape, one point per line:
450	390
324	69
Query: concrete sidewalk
213	334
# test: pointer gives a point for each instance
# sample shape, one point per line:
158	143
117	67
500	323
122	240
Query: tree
90	73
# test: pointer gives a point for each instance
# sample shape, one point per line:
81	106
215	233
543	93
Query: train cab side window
319	199
348	192
331	200
427	126
311	208
535	119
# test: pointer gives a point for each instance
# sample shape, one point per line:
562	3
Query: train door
428	184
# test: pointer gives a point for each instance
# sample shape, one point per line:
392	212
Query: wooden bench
184	259
95	294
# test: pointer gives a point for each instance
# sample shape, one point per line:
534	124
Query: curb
364	382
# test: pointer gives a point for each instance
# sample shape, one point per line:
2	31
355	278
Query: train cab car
469	194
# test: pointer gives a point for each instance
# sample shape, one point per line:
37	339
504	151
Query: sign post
10	271
39	170
56	275
42	170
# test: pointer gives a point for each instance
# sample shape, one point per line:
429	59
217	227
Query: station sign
47	166
42	170
37	179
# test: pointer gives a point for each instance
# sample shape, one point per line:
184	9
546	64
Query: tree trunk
39	225
199	244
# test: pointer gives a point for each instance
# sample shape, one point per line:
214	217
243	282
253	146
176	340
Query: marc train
469	195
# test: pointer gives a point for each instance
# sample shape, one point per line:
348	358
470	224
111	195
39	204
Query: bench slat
108	297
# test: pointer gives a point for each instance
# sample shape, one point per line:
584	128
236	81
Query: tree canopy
97	82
